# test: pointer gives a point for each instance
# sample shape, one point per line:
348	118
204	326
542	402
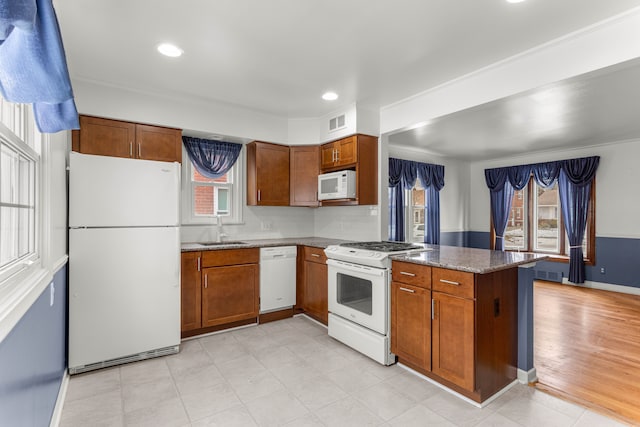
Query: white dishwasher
277	278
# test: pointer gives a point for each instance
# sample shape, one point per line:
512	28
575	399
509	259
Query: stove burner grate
382	246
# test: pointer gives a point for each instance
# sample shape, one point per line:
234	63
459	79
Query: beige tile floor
290	373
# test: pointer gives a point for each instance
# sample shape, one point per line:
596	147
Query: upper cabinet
305	167
340	153
106	137
267	174
358	153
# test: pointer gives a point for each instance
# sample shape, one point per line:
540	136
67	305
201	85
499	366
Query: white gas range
359	275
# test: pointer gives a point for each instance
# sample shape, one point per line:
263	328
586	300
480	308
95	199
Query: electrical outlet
265	225
601	270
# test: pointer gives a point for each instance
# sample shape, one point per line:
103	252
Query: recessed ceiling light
330	96
515	1
168	49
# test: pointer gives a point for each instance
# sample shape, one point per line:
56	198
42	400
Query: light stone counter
317	242
468	259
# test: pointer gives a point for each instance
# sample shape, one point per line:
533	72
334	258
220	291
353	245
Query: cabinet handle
405	273
433	309
407	290
206	281
258	195
139	151
449	282
315	255
131	149
198	263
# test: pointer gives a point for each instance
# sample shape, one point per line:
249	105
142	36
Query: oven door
359	293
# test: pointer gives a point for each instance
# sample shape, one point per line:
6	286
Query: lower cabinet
313	288
219	287
455	327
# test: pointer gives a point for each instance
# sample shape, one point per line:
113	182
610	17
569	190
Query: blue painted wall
33	360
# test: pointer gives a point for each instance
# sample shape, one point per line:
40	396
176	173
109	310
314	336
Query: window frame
590	234
236	194
24	139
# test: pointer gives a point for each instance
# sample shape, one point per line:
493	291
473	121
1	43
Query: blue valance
33	67
211	158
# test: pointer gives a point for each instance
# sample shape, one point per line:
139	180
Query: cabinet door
158	143
411	324
106	137
347	151
327	156
304	175
190	292
315	291
229	294
267	174
453	339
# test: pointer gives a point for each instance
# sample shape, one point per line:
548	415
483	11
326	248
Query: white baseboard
62	394
603	286
526	377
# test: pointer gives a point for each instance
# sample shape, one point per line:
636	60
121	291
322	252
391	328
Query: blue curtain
501	192
33	67
574	184
211	158
432	179
402	176
396	200
574	178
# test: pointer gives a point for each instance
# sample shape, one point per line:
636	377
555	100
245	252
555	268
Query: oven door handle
355	268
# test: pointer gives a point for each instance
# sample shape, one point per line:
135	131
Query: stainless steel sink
222	243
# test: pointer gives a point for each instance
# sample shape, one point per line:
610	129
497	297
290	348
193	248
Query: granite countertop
317	242
468	259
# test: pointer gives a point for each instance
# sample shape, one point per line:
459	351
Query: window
208	198
18	190
535	223
416	224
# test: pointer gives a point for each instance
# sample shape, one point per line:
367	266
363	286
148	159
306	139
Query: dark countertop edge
461	266
316	242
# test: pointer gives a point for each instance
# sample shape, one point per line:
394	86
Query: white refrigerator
124	260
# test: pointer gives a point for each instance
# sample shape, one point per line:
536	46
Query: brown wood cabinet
220	288
106	137
267	174
411	314
305	167
190	292
340	153
472	332
313	289
358	153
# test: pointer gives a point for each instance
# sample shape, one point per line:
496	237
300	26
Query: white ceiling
279	56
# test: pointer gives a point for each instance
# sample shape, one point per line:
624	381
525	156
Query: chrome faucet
220	235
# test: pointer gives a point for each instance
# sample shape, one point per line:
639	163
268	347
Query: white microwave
337	185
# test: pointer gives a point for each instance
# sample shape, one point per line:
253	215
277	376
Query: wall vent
551	276
337	123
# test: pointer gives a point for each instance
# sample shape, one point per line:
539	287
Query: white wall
187	114
348	222
617	207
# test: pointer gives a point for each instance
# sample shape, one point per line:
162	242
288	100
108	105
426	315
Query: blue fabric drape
402	176
33	67
574	184
211	158
574	178
396	200
432	179
501	192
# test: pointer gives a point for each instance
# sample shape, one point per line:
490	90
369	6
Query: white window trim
236	194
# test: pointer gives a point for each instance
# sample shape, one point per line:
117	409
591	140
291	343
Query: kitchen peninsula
454	316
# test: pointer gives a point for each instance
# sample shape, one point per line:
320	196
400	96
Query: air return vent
338	122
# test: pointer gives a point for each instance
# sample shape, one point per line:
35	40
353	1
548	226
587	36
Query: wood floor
587	347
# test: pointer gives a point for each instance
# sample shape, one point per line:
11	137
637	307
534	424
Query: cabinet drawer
414	274
230	257
453	282
315	255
